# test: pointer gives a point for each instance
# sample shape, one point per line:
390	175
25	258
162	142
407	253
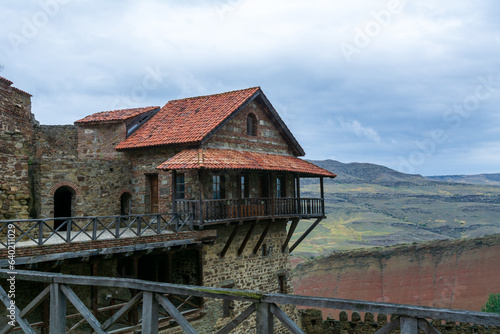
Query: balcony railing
267	307
216	210
28	232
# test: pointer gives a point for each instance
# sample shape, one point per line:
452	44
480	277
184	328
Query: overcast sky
412	85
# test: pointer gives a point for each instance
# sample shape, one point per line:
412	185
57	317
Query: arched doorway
63	199
125	204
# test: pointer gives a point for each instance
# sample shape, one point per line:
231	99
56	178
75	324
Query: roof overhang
225	159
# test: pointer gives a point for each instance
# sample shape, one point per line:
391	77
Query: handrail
265	304
27	232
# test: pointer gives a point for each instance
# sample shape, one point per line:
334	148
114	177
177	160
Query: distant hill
485	179
356	172
370	205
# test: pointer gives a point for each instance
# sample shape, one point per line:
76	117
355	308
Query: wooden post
298	195
57	310
271	193
174	191
46	315
150	313
94	305
264	319
322	191
200	183
238	189
408	325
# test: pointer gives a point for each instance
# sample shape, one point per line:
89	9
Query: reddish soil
450	274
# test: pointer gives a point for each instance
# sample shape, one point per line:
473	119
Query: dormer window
251	125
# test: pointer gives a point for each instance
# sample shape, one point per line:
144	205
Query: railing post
264	319
40	232
94	228
150	313
408	325
57	310
117	227
68	230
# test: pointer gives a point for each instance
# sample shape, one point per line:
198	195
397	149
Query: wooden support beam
264	319
293	226
238	320
200	183
150	313
285	320
306	233
262	237
131	303
229	241
57	310
178	317
17	315
247	237
424	325
84	311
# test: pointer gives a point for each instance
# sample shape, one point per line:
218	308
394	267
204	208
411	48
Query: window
282	283
218	187
245	189
280	187
180	186
251	125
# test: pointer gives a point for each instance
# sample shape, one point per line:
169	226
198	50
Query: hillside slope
485	179
456	274
369	205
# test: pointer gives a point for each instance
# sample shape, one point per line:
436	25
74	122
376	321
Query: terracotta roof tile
115	115
245	160
188	121
9	83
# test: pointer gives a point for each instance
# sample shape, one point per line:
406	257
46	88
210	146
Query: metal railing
410	318
29	232
214	210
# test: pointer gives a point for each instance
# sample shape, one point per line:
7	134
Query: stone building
224	164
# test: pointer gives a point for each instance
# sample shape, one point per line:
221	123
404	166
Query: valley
369	205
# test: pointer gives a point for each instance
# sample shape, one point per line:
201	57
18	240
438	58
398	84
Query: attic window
251	125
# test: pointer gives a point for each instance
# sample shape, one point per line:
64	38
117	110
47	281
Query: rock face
449	274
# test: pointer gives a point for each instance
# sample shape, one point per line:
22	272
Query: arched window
251	125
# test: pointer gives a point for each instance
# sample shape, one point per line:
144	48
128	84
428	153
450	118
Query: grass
368	215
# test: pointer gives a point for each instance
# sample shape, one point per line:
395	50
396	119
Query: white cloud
360	130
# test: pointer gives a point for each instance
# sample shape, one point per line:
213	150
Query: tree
493	303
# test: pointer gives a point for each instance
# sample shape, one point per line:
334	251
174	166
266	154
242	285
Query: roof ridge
216	94
100	112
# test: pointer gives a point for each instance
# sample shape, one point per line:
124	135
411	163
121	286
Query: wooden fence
410	318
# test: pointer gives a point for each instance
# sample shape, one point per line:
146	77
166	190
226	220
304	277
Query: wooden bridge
155	296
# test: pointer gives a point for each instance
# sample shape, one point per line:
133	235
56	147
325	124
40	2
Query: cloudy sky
412	85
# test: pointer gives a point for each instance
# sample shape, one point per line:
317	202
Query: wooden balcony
217	211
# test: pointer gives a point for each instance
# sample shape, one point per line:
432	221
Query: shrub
493	303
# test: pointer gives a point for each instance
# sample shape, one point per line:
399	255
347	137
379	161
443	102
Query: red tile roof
231	159
115	115
6	81
188	121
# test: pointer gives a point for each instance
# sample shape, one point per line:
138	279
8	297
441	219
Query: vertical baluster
94	228
68	230
40	232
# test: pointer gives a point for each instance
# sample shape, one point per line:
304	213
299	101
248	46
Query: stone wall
98	140
313	323
248	271
16	133
233	134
